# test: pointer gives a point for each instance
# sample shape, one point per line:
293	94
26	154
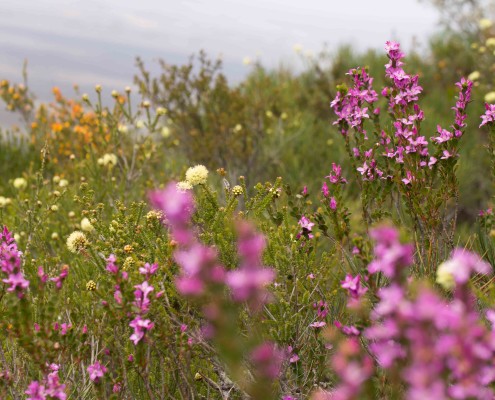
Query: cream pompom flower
485	23
183	186
490	97
197	175
86	225
20	183
77	241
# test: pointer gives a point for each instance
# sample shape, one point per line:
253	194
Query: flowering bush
126	274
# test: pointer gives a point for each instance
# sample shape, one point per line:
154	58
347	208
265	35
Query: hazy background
89	42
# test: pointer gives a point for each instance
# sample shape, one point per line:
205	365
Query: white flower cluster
108	160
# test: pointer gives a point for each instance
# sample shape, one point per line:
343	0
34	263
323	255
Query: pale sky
96	41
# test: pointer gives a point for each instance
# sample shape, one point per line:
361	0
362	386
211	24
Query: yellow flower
246	61
154	215
445	278
86	225
474	76
108	160
20	183
485	23
122	129
237	190
4	201
490	42
490	97
91	285
77	241
63	182
197	175
165	132
183	186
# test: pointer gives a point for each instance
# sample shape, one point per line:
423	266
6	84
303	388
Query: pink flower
17	283
390	254
142	302
333	203
96	371
64	328
248	282
178	207
35	391
111	266
324	190
148	269
41	273
353	286
409	178
140	326
267	360
489	116
318	324
59	280
307	227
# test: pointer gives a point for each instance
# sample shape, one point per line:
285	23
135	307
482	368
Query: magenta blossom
111	266
148	269
267	360
140	326
353	286
96	371
178	207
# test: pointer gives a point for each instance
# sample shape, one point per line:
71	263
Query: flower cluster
10	264
49	388
438	348
199	265
348	105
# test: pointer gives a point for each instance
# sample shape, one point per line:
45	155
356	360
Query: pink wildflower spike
148	269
